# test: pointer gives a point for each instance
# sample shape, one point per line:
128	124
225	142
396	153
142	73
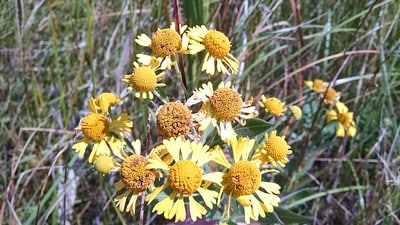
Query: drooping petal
165	206
80	147
208	196
196	210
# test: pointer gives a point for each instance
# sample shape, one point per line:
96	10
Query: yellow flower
243	181
217	46
330	96
296	111
174	119
317	85
272	105
346	122
136	178
144	79
97	128
164	44
220	108
103	102
185	179
274	149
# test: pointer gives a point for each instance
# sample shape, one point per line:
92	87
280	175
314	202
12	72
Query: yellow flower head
174	119
317	85
222	107
185	179
274	149
272	105
164	44
144	79
331	96
217	46
243	181
136	178
346	122
99	129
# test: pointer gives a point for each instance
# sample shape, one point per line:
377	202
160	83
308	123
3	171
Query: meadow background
54	55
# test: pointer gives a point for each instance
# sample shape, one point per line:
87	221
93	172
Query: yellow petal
196	210
209	196
178	210
164	206
80	147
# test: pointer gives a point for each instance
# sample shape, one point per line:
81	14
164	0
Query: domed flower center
277	148
135	175
174	119
143	79
95	127
318	85
243	178
185	177
165	42
104	163
225	104
274	106
217	44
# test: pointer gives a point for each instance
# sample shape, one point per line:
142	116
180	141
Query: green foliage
55	55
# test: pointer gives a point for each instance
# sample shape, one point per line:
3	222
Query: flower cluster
188	173
346	124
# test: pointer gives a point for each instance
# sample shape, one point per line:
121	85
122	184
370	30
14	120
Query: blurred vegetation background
54	55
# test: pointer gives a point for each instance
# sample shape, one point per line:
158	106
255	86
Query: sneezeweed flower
105	134
317	85
346	124
331	96
217	46
144	79
174	119
243	181
222	107
104	101
296	111
164	44
185	179
274	149
273	106
136	179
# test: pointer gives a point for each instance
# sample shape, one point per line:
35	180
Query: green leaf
253	127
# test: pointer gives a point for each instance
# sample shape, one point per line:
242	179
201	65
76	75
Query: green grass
54	55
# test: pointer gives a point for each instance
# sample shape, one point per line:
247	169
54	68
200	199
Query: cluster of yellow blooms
196	176
331	97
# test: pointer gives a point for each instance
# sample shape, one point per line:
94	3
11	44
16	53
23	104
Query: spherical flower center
274	106
135	175
185	177
330	96
104	163
174	119
217	44
95	127
165	42
243	178
277	148
143	79
318	85
226	104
